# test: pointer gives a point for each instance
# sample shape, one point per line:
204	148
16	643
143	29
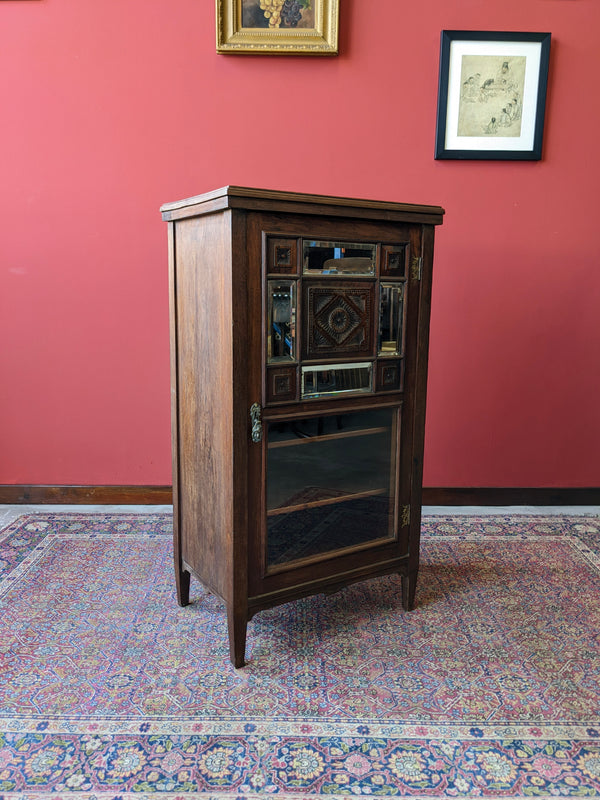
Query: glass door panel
331	484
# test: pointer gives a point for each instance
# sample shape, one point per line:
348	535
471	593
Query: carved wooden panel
337	319
281	384
389	376
282	256
393	260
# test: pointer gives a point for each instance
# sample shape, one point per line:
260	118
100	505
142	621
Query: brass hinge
405	517
255	422
416	268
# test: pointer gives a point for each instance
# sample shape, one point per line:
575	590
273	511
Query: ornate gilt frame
234	37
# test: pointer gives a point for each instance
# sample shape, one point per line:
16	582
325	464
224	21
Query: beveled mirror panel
391	319
281	323
335	379
338	258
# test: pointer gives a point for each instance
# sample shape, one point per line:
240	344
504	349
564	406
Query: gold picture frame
301	27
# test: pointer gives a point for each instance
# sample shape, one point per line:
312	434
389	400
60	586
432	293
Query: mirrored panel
391	313
333	379
338	258
281	330
330	483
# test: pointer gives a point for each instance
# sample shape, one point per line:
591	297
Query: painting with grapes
296	27
278	14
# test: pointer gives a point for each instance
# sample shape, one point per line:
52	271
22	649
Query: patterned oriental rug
489	688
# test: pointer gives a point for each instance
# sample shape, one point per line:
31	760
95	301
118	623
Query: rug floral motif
489	688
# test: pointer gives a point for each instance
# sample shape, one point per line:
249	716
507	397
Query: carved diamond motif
337	322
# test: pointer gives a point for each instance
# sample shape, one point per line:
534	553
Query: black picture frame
492	95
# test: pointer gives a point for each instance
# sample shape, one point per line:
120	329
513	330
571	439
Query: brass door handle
256	423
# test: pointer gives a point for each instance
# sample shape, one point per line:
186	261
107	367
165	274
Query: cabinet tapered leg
182	576
237	624
182	581
409	589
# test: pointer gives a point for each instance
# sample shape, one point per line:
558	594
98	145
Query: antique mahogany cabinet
299	340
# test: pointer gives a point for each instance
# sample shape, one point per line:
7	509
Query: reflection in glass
391	308
338	258
336	378
281	334
331	483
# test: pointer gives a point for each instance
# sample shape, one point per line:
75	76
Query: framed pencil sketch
305	27
492	95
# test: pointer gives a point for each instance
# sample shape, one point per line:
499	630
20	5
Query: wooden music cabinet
299	340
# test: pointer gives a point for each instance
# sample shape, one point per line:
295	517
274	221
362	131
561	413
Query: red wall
111	108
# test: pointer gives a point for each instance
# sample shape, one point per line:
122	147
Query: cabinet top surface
249	199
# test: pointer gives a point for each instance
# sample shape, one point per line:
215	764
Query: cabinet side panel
204	391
